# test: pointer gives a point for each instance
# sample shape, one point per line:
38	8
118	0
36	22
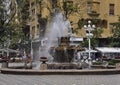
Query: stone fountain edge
60	72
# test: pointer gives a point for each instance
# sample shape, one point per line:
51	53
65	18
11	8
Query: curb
60	72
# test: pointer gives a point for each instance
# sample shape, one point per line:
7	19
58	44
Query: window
54	3
33	31
93	7
32	4
111	27
111	9
33	12
88	7
38	27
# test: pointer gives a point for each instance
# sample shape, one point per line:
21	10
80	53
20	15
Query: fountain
56	44
56	52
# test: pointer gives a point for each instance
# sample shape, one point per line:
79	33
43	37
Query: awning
9	50
73	39
108	49
92	51
2	49
87	50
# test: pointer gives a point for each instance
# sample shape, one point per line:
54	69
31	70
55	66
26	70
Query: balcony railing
93	13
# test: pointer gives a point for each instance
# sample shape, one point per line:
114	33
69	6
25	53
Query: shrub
97	63
112	62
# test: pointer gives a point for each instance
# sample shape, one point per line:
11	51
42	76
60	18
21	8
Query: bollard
117	65
43	66
4	64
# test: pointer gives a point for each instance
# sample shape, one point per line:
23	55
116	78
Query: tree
69	7
116	34
97	32
94	42
13	19
5	18
22	27
116	31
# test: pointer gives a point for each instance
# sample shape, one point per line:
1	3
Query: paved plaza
9	79
6	79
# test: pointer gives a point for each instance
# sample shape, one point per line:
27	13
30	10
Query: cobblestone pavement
6	79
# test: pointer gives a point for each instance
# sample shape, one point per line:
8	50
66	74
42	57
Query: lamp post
89	27
31	46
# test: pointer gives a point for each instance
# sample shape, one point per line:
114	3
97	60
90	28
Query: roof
9	50
108	49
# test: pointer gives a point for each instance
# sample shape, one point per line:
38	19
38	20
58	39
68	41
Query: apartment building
102	13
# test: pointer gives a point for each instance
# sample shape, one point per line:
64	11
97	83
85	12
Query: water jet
57	46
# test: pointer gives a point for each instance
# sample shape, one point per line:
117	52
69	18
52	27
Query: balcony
93	13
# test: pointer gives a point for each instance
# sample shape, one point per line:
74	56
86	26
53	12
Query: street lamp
89	27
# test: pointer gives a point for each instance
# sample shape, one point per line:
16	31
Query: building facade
102	13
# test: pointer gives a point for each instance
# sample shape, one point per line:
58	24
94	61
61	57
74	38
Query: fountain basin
63	66
60	72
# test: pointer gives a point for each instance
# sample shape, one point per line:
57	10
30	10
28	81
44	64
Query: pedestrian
24	60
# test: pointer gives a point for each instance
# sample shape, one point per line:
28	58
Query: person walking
25	59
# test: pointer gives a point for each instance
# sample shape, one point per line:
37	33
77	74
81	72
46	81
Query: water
59	27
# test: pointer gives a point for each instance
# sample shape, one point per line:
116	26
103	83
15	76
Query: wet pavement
6	79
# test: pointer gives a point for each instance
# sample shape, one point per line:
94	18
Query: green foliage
116	31
81	23
94	42
116	34
3	22
69	7
8	24
97	32
114	42
97	63
66	8
23	7
85	43
113	62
